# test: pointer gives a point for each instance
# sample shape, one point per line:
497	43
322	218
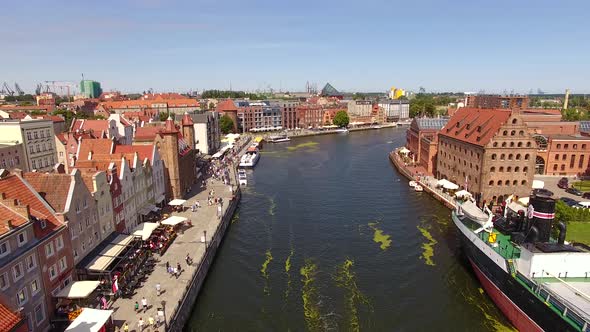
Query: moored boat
413	184
250	158
539	283
418	188
242	179
278	139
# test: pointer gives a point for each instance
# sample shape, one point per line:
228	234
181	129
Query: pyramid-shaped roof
329	91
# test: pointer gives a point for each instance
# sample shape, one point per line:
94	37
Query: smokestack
540	213
567	98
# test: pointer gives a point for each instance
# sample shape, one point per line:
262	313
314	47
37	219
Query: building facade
564	155
12	156
38	139
513	102
488	152
360	108
207	132
395	109
422	141
90	89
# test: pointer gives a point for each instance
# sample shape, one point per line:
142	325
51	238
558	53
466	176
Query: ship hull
523	309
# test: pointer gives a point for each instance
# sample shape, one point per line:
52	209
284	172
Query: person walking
144	304
158	289
175	272
160	316
151	322
179	268
140	324
125	327
136	306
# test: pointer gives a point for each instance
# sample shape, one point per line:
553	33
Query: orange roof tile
14	187
226	106
53	187
8	214
143	151
8	318
147	132
96	146
474	125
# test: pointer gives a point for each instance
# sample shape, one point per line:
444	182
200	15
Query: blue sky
466	45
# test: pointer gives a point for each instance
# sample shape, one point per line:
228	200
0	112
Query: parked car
569	201
573	191
563	183
543	192
582	205
586	194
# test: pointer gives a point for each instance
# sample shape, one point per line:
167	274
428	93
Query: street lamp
163	303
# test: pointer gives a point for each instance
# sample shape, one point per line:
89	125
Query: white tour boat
341	130
278	139
250	158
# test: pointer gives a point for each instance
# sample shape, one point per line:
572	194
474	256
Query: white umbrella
450	185
404	150
462	193
538	184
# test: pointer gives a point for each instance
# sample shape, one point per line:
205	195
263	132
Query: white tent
538	184
524	201
176	202
78	289
450	186
463	193
174	220
145	230
404	150
109	253
90	320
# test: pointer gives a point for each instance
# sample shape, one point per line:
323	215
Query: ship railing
567	308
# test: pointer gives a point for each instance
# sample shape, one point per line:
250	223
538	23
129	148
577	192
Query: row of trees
231	94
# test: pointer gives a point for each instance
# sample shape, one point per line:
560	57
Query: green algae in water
235	218
428	247
310	296
310	145
265	264
287	269
346	279
272	207
380	237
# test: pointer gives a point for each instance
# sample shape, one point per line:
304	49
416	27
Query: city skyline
180	46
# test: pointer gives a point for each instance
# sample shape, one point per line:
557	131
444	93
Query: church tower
188	130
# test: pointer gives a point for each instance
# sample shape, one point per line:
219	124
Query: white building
37	137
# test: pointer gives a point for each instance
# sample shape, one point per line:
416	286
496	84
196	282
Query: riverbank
413	173
201	242
313	132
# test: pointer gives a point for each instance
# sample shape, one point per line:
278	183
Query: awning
538	184
78	289
174	220
90	320
447	184
159	198
524	201
516	207
176	202
462	193
145	210
109	253
145	230
404	150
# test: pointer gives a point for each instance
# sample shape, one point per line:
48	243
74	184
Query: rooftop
431	123
474	125
53	187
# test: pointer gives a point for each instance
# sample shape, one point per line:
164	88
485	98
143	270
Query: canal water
329	236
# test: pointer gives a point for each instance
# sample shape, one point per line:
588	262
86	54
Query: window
34	162
63	264
491	183
523	182
52	272
566	146
39	314
505	133
37	148
21	296
510	156
43	224
514	121
499	183
503	144
511	144
36	134
78	210
563	156
527	156
61	154
29	135
562	167
30	262
4	249
85	203
555	167
583	146
4	281
17	271
581	162
575	146
556	157
525	169
502	156
508	169
22	239
528	144
49	249
495	144
516	169
507	182
59	243
501	169
559	146
572	161
521	133
34	287
513	132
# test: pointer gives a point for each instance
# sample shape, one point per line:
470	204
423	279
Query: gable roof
8	214
226	106
474	125
15	187
143	151
53	187
96	146
147	132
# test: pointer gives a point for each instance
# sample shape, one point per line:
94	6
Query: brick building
310	116
422	141
513	102
488	152
564	155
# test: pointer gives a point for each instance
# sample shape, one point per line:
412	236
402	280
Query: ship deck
569	295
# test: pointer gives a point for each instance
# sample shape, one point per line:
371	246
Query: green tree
226	124
163	116
211	105
341	119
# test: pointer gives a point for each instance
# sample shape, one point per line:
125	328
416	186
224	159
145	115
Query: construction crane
53	85
18	89
6	90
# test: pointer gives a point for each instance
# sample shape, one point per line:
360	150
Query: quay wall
183	312
399	164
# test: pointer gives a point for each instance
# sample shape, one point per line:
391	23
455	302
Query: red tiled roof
87	176
541	111
187	120
8	318
169	127
226	105
474	125
97	146
54	118
143	151
147	132
161	96
53	187
14	187
101	163
8	214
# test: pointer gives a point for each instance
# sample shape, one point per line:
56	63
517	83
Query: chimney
10	225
